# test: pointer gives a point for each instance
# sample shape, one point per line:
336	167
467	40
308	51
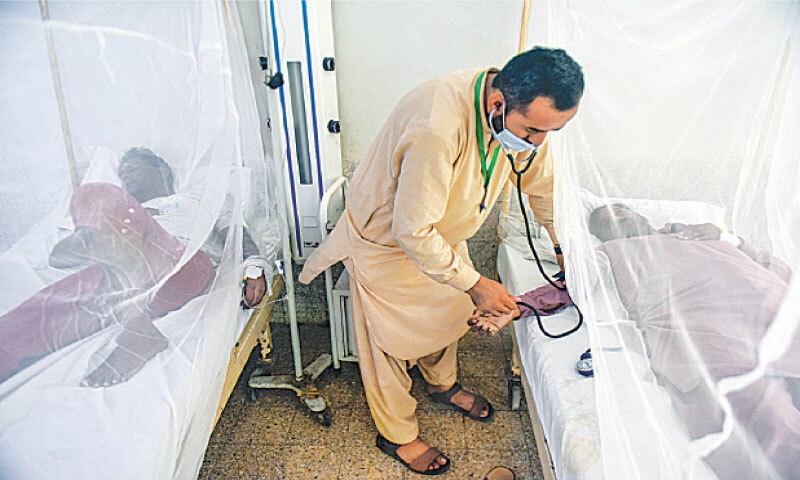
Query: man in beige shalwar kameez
426	186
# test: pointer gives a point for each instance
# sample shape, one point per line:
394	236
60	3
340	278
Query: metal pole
523	32
516	362
62	109
523	41
278	161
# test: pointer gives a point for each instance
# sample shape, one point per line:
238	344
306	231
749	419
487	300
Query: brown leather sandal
478	403
418	465
500	473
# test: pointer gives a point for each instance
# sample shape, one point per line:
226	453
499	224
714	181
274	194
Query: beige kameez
412	204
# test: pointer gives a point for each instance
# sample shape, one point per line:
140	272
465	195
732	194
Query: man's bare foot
416	455
119	367
411	451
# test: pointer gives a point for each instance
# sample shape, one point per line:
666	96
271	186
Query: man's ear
494	100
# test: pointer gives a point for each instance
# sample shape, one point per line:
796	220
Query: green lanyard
485	172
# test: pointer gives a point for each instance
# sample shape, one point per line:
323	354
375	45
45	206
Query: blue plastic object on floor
585	366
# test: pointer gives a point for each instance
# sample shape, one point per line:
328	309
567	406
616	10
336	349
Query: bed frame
518	374
256	331
542	446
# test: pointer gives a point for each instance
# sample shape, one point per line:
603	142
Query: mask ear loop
503	118
491	124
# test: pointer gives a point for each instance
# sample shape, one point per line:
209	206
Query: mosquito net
688	126
136	194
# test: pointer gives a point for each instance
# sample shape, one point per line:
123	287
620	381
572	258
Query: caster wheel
325	418
252	395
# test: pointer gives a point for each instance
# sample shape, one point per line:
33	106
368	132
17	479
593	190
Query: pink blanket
702	307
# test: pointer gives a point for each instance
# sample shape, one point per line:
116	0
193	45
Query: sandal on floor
477	404
500	473
420	464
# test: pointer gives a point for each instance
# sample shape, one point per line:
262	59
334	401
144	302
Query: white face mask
507	139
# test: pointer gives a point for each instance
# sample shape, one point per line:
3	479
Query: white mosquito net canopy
135	193
688	127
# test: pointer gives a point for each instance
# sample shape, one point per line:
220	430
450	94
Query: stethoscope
487	175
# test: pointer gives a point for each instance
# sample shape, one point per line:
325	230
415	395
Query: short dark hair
145	175
607	223
153	159
541	72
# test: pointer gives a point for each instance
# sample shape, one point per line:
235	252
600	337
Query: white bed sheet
51	427
566	400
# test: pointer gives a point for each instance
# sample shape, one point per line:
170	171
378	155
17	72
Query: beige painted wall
386	47
383	49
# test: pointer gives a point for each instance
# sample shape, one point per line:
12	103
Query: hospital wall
384	49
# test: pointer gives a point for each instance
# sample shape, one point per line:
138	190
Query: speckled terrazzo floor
277	438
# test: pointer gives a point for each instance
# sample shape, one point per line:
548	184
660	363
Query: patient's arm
766	260
254	287
489	325
542	208
253	292
709	231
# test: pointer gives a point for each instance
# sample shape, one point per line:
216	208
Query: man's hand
492	298
487	324
253	291
701	231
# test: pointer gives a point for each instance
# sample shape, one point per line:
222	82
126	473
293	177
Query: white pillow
660	212
103	166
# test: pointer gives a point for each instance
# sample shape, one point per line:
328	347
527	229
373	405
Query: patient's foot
121	365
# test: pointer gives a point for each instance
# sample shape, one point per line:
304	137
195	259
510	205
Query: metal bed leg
515	382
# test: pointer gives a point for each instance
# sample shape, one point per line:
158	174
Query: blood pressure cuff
547	300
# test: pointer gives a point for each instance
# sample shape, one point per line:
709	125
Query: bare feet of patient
120	366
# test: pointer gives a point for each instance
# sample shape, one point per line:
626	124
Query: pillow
103	165
659	212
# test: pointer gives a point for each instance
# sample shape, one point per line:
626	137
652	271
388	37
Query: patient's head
145	175
610	222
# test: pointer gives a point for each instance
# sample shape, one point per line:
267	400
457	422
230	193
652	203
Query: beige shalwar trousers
387	383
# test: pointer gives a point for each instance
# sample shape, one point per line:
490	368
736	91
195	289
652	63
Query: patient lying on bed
131	274
703	304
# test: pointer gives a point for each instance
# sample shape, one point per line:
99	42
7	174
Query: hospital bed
562	403
142	428
188	94
560	400
156	424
